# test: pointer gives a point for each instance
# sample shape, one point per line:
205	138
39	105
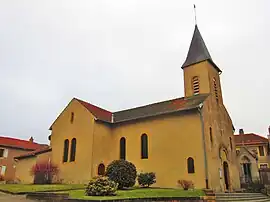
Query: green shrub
146	179
101	186
122	172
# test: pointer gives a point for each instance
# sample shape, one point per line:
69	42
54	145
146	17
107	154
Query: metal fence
264	175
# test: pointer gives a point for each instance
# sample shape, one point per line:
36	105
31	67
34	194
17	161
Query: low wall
45	196
55	197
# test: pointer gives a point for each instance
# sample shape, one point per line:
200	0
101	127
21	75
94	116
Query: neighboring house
252	154
25	162
11	147
187	138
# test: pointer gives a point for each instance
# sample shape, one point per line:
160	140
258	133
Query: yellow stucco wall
215	116
82	128
171	138
23	167
261	159
104	147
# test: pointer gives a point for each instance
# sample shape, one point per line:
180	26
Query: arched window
123	148
73	150
211	136
72	117
144	146
196	85
190	165
215	89
101	169
65	155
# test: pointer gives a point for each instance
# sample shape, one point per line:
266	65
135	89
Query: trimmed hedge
101	186
146	179
122	172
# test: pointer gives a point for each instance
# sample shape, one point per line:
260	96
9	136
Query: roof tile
98	112
249	139
34	153
168	106
21	144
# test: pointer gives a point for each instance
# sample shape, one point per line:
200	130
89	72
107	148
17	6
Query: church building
189	138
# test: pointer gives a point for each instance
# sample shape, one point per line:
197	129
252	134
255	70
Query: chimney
31	139
112	118
241	131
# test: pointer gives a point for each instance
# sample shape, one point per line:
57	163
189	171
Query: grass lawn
139	193
19	188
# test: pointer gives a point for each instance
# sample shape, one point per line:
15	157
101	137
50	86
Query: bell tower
201	74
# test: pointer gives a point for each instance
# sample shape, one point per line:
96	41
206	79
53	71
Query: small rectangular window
2	151
231	144
3	170
72	117
265	165
261	150
5	153
211	136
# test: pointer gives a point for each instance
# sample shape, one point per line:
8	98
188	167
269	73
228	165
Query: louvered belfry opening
196	85
215	89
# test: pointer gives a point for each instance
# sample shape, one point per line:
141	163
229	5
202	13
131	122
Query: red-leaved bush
2	178
44	172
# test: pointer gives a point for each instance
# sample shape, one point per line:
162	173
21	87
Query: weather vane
195	14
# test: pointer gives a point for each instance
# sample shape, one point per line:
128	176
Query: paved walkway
13	198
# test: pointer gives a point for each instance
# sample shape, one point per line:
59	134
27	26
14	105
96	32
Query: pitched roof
198	51
168	106
34	153
20	144
98	112
249	139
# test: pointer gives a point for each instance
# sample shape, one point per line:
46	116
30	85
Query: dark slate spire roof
198	51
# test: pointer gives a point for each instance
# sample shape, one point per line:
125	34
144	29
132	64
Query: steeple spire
198	51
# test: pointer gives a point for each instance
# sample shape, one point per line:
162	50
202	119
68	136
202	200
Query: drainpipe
204	147
92	153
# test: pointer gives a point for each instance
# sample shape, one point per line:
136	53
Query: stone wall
53	197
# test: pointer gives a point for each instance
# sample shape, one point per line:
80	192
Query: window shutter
3	170
5	153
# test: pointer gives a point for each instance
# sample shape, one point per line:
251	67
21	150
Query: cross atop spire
195	15
198	51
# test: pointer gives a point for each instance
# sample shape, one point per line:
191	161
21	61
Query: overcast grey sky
119	54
